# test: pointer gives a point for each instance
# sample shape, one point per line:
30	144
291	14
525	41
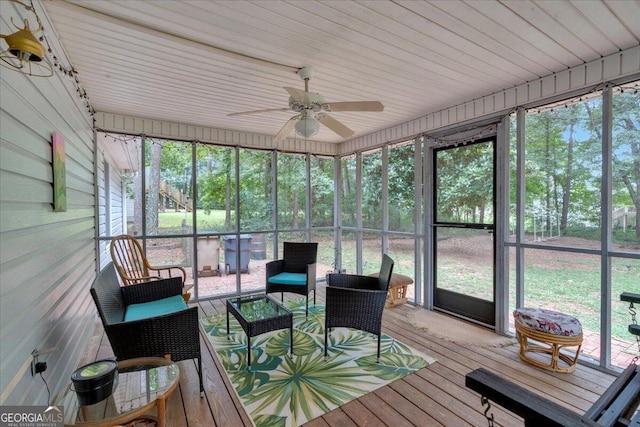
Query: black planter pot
95	382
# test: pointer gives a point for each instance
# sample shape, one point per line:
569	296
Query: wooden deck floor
433	396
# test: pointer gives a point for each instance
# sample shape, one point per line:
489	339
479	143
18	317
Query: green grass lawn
577	291
172	220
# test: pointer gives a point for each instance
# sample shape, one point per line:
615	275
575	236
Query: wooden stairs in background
179	199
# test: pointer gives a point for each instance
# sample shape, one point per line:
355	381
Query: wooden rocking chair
133	267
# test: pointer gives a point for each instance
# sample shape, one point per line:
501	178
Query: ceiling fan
313	109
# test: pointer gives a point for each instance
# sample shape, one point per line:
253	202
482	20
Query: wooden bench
397	294
615	408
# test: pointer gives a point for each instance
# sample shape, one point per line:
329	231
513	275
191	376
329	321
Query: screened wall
569	216
223	212
574	241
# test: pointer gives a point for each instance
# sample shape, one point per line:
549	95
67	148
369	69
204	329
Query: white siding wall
47	259
116	202
110	202
103	248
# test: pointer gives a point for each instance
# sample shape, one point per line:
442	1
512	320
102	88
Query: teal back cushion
154	308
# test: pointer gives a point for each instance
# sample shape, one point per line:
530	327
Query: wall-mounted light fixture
128	175
23	51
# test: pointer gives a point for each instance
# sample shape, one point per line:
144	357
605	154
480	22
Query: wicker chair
175	334
133	267
295	272
354	301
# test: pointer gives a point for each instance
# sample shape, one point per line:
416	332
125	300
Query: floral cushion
548	321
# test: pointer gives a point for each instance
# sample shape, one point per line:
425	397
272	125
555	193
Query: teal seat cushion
151	309
289	279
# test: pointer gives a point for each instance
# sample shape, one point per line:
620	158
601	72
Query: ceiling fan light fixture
313	109
307	126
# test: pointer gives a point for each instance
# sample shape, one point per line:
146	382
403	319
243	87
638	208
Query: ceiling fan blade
286	129
297	94
242	113
355	106
334	125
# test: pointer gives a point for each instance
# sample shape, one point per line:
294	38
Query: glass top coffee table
258	314
142	384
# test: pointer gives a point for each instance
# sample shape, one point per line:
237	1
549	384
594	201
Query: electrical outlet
40	367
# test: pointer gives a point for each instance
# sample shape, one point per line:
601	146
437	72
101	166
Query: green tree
563	157
216	181
292	178
371	185
401	187
154	153
348	188
464	190
256	206
626	152
322	194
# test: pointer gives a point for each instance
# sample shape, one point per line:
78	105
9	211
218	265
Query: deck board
433	396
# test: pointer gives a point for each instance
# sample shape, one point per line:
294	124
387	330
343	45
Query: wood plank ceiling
194	62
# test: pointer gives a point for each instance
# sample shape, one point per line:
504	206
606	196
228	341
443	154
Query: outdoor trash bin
231	249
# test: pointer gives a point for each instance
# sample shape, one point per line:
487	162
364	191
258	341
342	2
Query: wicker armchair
133	267
354	301
295	272
175	334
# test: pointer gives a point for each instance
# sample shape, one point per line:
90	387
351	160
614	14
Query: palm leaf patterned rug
280	390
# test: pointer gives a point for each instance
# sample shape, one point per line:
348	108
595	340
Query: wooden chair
354	301
133	267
